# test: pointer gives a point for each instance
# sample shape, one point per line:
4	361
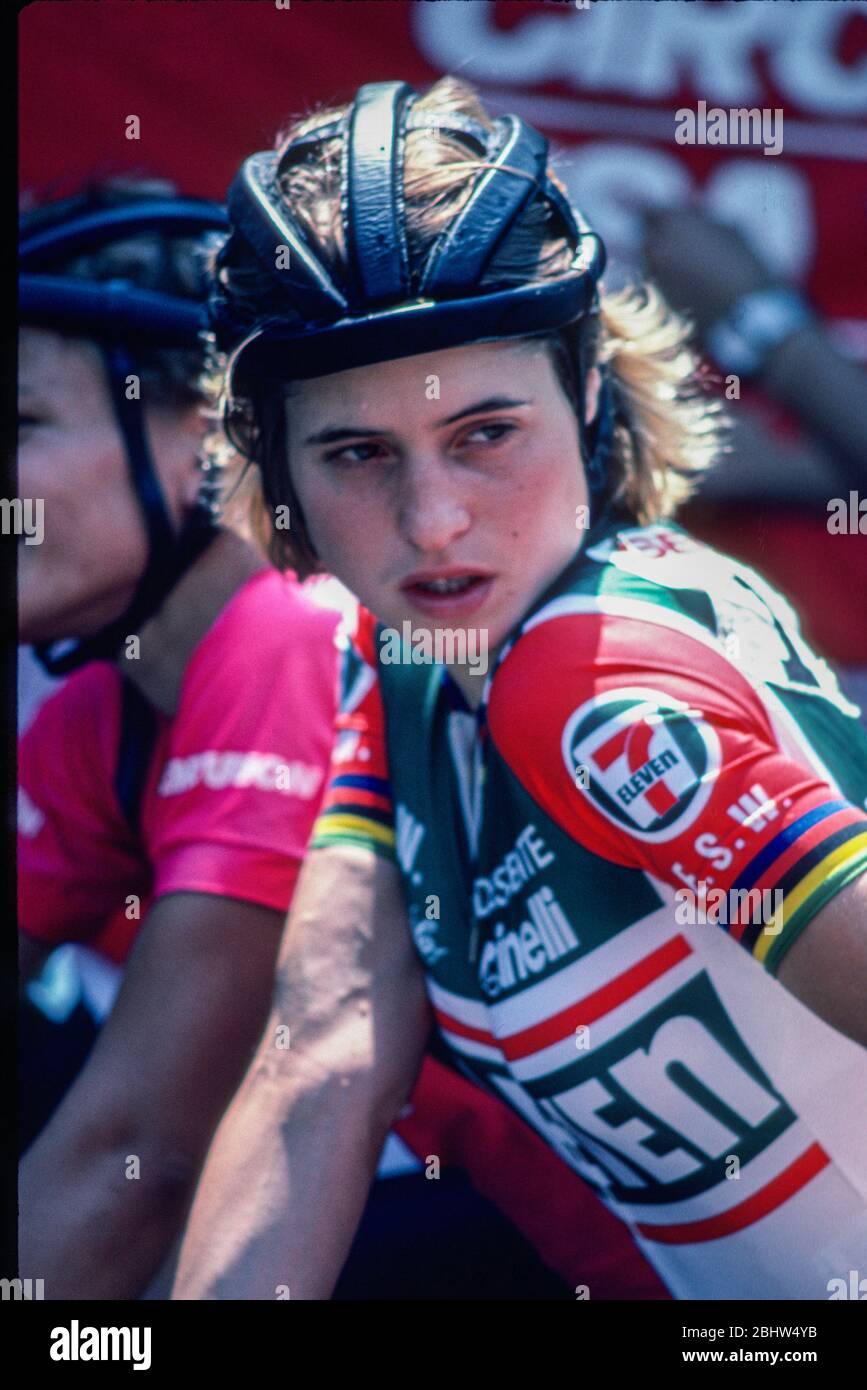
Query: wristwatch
743	339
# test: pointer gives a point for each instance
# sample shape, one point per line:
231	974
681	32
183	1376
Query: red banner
210	82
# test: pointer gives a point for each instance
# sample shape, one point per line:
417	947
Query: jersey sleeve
651	749
239	783
77	861
357	807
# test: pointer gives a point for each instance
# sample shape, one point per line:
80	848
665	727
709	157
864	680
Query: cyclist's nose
432	508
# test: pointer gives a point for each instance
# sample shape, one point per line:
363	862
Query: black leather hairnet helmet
120	317
387	309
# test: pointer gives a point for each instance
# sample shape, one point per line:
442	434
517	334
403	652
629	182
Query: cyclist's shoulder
659	564
273	611
654	595
85	700
614	598
273	641
647	614
67	754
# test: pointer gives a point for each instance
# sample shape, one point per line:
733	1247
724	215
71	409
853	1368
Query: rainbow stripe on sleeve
357	809
807	862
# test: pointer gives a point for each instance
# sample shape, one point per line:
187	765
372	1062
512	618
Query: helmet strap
599	435
169	556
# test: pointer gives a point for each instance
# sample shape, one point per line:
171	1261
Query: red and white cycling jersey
605	864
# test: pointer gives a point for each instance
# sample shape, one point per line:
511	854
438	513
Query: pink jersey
230	789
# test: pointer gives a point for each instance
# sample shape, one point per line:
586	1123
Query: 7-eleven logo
652	760
633	744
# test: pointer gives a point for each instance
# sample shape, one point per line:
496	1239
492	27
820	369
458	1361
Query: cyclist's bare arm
194	995
826	968
285	1182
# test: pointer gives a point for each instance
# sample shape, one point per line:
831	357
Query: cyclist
164	793
631	851
167	788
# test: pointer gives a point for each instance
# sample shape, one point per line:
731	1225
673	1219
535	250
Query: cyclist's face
83	572
465	461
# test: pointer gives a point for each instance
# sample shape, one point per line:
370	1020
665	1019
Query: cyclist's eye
342	459
493	432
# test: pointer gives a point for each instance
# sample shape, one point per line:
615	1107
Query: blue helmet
120	317
385	311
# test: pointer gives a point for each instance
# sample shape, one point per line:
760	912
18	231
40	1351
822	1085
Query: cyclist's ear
591	395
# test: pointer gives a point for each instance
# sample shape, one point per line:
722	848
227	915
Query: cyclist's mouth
454	590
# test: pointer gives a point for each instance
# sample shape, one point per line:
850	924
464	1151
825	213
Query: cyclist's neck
470	680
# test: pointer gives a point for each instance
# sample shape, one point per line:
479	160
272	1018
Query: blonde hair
666	432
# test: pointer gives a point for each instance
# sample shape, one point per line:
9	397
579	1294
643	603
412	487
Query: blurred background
212	82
